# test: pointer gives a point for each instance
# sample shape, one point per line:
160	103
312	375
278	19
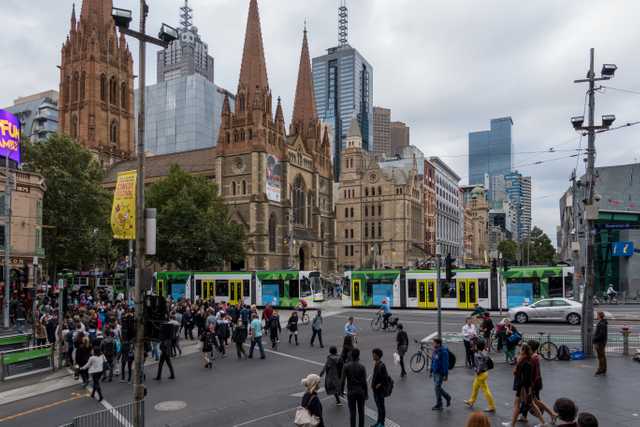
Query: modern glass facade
182	114
38	115
490	151
518	190
343	86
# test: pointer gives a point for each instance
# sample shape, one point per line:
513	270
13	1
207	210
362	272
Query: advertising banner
123	212
9	136
274	178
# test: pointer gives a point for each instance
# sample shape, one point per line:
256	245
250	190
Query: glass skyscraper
518	190
490	151
343	86
38	115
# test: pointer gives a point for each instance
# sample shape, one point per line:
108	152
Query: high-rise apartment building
518	190
343	85
490	151
38	115
184	108
381	132
449	209
400	137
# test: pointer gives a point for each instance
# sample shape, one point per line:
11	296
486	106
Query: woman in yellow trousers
481	380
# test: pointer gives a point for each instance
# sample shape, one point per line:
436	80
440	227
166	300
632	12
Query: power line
634	92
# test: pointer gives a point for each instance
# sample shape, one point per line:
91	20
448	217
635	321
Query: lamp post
439	289
590	208
122	18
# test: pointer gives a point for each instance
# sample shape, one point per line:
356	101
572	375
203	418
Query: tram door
461	288
422	294
235	291
160	288
208	290
432	295
467	293
356	294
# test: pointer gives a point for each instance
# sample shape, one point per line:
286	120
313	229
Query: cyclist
350	328
611	293
385	308
302	306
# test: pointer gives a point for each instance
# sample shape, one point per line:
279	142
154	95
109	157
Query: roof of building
158	166
354	129
253	71
304	106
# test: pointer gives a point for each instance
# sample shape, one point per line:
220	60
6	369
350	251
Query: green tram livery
279	288
470	287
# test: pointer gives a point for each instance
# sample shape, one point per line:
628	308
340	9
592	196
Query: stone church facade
96	85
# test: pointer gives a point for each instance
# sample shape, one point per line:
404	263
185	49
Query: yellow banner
123	212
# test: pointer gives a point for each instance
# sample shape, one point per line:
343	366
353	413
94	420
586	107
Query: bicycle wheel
376	324
417	362
548	350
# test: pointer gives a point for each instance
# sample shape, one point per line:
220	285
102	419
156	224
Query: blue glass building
491	151
38	115
343	86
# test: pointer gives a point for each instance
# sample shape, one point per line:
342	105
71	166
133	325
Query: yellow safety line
76	396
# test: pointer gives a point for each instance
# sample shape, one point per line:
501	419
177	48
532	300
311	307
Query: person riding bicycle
350	328
385	308
611	293
302	306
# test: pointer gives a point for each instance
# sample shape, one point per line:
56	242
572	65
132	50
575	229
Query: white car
559	309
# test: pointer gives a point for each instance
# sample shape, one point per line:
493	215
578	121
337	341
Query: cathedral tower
96	85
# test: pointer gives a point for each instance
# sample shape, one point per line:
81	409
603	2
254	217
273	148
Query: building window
351	248
379	210
233	188
244	187
74	126
65	90
346	248
379	191
113	136
346	233
241	102
103	88
366	192
351	212
380	230
272	233
366	211
124	98
113	91
83	84
75	86
299	201
352	233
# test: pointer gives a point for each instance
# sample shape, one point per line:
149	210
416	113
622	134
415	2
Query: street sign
618	226
625	249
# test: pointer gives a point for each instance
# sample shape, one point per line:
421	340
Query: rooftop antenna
187	16
343	23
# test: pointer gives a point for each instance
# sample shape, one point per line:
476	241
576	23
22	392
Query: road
266	392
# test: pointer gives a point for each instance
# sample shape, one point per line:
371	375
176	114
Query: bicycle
548	350
378	322
421	358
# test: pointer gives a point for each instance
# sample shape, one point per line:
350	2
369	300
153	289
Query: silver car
548	309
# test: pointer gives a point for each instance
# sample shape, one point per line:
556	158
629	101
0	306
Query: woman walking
95	366
332	369
239	337
310	400
292	325
523	386
481	380
513	338
83	354
275	329
402	341
208	341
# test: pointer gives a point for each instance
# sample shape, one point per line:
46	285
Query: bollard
626	331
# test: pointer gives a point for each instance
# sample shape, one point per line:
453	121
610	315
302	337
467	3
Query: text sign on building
274	178
9	136
622	249
123	212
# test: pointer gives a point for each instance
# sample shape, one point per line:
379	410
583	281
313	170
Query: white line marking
275	414
109	407
429	337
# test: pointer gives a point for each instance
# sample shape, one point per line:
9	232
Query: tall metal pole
439	291
587	303
8	184
138	387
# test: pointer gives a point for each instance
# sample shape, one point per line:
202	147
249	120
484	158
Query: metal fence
118	416
615	341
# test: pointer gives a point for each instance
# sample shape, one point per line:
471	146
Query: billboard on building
123	212
274	178
9	136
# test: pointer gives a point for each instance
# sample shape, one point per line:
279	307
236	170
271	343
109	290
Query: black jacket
355	375
313	405
601	335
403	341
379	378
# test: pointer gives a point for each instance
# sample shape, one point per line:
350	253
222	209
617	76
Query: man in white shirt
469	334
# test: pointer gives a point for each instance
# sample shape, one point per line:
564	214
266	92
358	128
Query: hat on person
311	382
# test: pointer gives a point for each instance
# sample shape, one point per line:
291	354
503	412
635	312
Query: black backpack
452	360
388	386
489	363
564	353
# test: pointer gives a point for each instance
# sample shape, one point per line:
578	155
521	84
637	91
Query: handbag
303	418
396	358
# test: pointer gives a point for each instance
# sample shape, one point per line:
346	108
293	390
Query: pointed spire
279	114
354	129
226	107
304	106
73	17
98	11
253	72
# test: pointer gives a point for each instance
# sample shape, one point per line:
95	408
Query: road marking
33	390
275	414
322	390
75	396
118	416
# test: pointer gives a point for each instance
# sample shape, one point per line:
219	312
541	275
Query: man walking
379	384
440	372
165	357
316	329
355	375
256	337
600	343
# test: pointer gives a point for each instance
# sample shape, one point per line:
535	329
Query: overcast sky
445	68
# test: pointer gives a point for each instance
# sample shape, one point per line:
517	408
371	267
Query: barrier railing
118	416
25	361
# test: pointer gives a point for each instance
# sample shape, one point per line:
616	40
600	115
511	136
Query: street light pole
590	208
8	184
439	289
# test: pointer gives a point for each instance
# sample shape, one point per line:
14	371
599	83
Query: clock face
373	177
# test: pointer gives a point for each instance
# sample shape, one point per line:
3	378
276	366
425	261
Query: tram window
346	287
568	286
444	289
294	289
198	288
555	287
369	288
222	288
305	288
246	288
413	293
483	288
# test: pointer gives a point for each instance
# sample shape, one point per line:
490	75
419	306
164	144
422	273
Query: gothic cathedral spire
253	71
304	106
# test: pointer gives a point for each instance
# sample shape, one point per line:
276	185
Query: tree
195	231
509	251
538	247
76	208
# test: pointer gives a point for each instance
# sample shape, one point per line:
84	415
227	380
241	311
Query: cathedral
278	184
96	85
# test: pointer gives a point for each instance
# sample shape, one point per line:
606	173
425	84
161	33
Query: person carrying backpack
381	385
440	372
108	347
292	325
274	329
483	364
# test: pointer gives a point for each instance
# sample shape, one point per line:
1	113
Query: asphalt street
266	392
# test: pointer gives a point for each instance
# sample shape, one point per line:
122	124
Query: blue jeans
155	350
20	325
256	341
438	379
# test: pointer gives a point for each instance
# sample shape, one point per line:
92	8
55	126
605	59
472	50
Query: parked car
553	309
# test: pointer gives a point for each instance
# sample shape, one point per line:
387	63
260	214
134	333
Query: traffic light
505	265
494	266
450	274
23	274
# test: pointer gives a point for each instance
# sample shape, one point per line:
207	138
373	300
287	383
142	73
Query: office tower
381	132
490	151
38	115
449	209
343	84
518	190
400	139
